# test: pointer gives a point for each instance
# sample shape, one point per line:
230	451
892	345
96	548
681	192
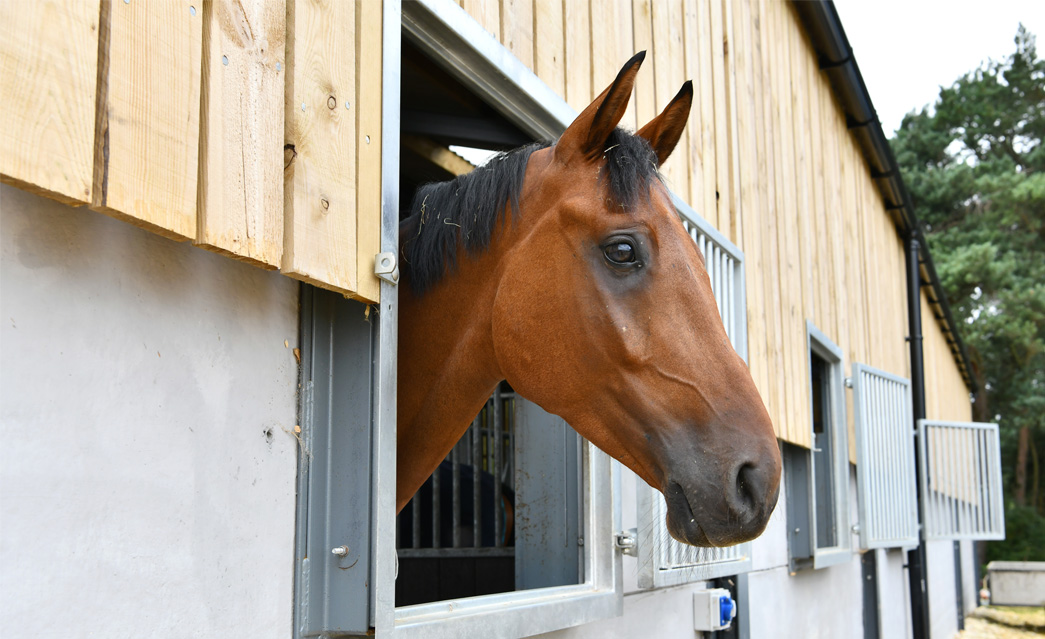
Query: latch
627	542
386	267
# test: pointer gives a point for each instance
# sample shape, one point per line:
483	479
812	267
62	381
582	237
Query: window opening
826	532
816	480
458	536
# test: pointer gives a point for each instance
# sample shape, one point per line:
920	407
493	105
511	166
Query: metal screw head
225	60
368	139
279	66
348	105
302	106
192	11
340	551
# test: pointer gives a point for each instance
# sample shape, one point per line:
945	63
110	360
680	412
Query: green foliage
975	166
1024	536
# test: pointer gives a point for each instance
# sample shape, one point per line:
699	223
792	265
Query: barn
198	386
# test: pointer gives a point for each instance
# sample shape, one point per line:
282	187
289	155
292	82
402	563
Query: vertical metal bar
455	470
477	471
498	424
415	529
383	515
436	509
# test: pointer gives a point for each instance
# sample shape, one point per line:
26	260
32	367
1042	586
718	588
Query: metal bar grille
961	480
885	459
662	560
460	510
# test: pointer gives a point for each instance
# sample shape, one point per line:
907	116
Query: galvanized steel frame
885	468
979	444
822	346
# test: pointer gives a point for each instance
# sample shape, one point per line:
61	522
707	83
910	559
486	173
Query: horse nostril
748	489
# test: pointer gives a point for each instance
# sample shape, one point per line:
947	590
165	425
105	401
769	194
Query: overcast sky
907	49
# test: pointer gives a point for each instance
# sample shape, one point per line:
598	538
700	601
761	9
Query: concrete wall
147	472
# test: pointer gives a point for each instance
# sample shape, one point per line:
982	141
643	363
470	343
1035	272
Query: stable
203	442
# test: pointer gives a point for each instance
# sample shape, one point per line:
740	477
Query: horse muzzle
734	507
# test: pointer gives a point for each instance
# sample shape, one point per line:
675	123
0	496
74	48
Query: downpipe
916	557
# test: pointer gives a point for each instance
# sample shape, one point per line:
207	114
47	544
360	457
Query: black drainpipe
916	557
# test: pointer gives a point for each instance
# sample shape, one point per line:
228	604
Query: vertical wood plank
517	29
691	142
605	40
728	47
723	190
147	129
578	54
368	143
320	146
48	79
667	71
804	205
241	130
779	387
823	302
487	13
549	47
796	351
645	98
705	46
750	197
836	211
625	48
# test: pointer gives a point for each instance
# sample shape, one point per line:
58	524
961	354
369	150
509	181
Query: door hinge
386	267
627	542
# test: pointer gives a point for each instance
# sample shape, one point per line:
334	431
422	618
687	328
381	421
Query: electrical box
713	609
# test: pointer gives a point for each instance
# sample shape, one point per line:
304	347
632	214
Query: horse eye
620	253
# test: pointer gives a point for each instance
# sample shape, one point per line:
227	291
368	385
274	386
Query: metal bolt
348	105
580	541
225	60
368	139
340	551
192	11
331	102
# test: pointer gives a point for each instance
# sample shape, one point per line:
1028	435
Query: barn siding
767	158
106	110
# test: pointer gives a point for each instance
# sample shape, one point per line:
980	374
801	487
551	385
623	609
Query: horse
565	270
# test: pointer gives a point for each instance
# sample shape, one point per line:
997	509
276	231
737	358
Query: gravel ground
990	622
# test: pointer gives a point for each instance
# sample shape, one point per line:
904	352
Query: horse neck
447	366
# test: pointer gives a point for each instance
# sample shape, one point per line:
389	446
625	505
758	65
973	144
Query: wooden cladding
185	118
766	158
48	76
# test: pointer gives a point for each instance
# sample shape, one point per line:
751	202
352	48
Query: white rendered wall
147	470
943	604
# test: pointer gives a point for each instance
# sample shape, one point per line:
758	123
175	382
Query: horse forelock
463	212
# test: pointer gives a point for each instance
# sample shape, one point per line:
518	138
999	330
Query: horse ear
587	136
663	132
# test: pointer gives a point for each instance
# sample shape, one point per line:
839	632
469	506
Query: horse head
593	301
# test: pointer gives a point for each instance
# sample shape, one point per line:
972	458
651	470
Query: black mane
464	211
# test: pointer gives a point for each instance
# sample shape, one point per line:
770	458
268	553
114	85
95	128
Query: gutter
824	28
